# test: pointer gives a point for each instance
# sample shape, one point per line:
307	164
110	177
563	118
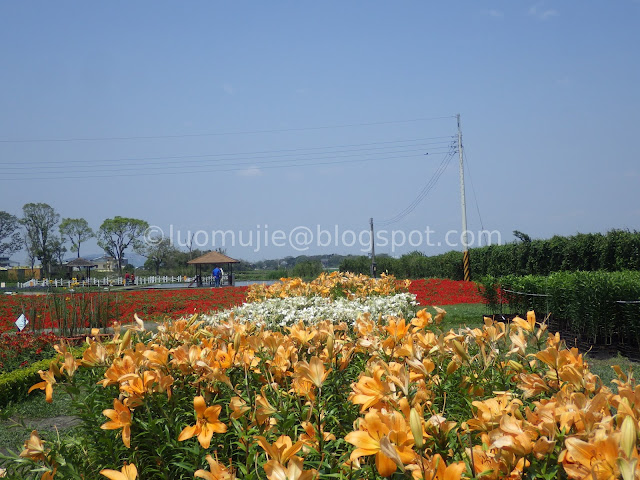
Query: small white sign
2	285
22	322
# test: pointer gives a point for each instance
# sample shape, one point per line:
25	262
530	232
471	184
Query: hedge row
15	385
613	251
587	304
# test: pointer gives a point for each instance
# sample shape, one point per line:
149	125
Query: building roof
212	258
81	262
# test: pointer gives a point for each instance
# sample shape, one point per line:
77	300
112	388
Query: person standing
216	277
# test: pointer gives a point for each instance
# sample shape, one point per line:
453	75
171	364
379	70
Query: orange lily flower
207	423
310	437
370	390
281	450
217	471
422	319
238	407
598	460
120	417
264	410
276	471
435	468
376	437
313	371
49	380
128	472
34	447
70	365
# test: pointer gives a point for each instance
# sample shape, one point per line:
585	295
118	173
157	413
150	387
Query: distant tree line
614	251
44	237
47	238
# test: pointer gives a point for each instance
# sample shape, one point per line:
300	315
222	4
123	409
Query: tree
119	233
76	230
523	237
158	251
40	219
9	226
58	250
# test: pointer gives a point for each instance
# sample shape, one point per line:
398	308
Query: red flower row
436	291
158	304
120	306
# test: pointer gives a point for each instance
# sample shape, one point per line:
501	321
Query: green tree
307	269
76	230
40	219
9	226
159	251
119	233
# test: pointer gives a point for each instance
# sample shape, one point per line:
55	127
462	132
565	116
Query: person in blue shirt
217	275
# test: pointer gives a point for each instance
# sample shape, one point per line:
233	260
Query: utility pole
373	251
465	241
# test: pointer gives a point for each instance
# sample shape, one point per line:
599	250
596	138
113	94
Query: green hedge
15	385
613	251
586	302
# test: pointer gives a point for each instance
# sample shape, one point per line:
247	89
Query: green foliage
587	302
308	269
76	230
9	229
117	234
39	220
614	251
15	385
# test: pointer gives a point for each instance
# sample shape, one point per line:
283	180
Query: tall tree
76	230
9	226
40	220
119	233
158	251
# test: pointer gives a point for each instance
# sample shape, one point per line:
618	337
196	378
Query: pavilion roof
212	258
81	262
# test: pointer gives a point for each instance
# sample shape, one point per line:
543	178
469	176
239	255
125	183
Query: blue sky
265	116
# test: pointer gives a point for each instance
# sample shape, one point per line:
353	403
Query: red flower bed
436	291
19	349
149	304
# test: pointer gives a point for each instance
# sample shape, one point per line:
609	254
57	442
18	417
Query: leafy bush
586	301
614	251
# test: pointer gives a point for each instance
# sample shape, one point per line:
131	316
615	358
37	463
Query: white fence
113	281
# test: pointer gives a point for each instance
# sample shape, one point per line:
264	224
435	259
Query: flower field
49	310
375	396
436	291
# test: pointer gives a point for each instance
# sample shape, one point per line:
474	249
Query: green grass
602	368
463	315
19	419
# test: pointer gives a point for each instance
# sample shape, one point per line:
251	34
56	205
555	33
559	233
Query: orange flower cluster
494	402
334	284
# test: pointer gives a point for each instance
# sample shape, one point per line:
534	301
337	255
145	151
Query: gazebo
81	263
214	259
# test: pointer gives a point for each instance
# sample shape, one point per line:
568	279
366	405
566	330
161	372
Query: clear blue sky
177	112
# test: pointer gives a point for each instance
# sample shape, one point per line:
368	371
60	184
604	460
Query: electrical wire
425	190
193	135
52	175
475	198
259	152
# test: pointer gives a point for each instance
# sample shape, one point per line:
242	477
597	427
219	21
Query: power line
215	134
145	173
475	198
425	190
191	158
251	162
